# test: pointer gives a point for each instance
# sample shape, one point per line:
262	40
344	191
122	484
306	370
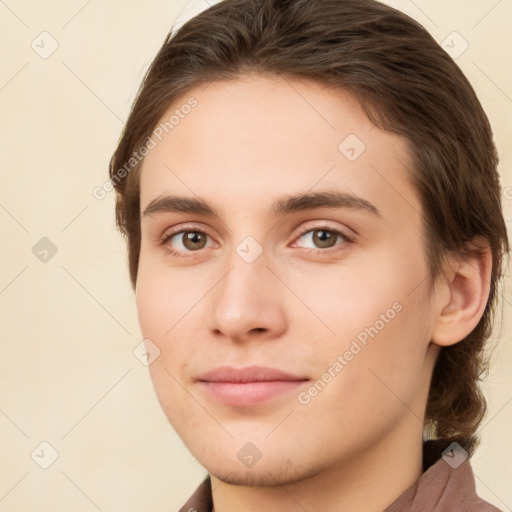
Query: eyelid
168	234
180	228
317	226
305	227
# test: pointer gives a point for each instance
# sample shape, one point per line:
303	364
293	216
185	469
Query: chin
272	472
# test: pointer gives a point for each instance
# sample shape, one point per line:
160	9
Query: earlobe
463	297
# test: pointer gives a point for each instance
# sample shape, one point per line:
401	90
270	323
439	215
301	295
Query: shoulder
477	504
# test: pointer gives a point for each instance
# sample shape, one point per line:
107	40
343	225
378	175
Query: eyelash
195	229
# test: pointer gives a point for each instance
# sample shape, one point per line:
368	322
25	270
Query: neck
369	480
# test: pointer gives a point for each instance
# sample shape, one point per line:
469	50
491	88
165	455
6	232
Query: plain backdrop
68	374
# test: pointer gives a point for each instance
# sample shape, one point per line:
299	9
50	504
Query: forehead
258	137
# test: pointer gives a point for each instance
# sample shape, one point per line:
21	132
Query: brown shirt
441	488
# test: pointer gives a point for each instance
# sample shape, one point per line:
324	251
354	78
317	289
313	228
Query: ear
461	296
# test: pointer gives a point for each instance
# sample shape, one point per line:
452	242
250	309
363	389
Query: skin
357	444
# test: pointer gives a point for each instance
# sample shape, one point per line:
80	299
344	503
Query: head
255	101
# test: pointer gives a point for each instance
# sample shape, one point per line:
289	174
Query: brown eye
323	238
193	240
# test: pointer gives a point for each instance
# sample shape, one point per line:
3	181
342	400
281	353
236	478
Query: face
294	332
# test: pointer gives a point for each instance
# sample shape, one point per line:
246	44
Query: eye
324	238
179	243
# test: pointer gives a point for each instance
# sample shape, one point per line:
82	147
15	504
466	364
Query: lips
248	374
245	387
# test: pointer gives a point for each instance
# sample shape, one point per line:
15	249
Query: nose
247	302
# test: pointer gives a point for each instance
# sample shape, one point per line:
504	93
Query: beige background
68	374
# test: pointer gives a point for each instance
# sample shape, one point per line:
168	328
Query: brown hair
406	84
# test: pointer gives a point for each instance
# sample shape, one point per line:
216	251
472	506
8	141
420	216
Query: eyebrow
281	207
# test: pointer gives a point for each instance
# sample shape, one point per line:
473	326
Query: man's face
347	316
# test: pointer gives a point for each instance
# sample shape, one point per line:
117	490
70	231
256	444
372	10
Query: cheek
163	296
378	384
169	311
373	316
346	297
